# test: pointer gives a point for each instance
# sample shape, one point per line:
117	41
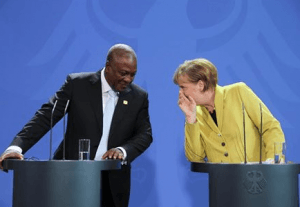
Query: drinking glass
84	149
279	152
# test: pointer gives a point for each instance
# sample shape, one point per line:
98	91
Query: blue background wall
254	41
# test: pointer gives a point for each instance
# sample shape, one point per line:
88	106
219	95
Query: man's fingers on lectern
113	153
1	159
118	155
10	155
108	154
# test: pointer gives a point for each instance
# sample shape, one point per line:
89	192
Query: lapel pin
125	102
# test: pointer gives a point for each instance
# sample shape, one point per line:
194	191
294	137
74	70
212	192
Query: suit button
226	154
219	135
223	144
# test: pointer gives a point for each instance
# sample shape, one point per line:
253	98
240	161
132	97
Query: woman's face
194	90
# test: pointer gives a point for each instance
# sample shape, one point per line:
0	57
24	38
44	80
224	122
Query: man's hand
10	155
188	106
113	153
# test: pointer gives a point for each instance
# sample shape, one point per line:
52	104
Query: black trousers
121	180
106	195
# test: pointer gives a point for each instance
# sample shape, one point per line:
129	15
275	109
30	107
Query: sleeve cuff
124	162
14	148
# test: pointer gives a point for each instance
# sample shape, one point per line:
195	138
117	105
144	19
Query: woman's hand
188	106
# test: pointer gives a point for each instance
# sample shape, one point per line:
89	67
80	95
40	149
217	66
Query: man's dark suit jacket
130	127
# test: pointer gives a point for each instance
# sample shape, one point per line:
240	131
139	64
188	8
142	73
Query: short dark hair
120	50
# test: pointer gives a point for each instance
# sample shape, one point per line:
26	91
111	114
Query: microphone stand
64	131
245	149
261	127
51	126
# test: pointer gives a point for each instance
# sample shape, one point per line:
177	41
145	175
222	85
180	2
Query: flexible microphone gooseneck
261	131
51	126
64	131
245	149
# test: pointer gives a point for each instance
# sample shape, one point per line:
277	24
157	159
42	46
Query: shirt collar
105	86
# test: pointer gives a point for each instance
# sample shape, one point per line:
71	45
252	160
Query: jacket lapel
219	101
219	111
95	95
208	119
124	101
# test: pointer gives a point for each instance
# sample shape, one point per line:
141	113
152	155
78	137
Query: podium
58	183
251	185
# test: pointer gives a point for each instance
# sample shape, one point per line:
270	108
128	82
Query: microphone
261	139
245	149
64	130
51	126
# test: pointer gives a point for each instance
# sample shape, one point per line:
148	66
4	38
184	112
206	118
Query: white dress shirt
105	88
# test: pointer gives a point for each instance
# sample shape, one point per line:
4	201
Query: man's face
120	72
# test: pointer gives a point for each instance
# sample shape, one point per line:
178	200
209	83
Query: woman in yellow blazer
214	117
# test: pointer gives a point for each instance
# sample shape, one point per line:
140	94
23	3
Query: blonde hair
198	69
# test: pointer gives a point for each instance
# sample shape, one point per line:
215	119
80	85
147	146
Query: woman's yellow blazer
225	142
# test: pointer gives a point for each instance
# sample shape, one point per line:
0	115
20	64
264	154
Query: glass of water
279	152
84	149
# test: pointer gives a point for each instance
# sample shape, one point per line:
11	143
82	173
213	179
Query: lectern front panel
58	183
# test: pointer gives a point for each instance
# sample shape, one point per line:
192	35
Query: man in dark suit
128	133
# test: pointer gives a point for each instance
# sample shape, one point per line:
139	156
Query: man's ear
107	68
107	65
